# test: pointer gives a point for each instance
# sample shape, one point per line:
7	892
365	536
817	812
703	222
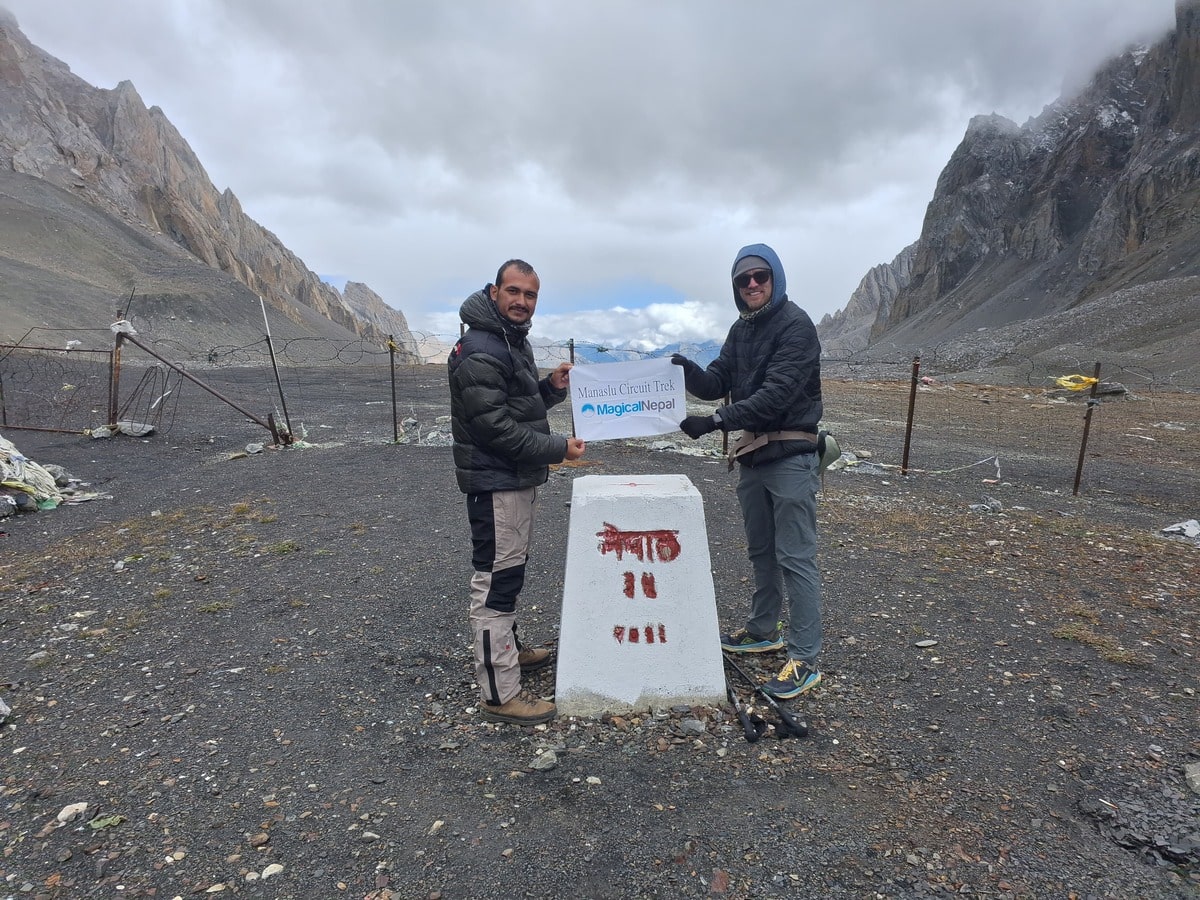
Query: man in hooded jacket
770	365
502	451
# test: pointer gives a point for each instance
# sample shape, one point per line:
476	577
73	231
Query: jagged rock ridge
1094	195
369	306
849	329
107	149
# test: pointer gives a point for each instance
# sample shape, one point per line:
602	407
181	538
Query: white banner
627	399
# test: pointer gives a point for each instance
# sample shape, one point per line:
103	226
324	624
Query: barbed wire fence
1064	424
312	388
49	379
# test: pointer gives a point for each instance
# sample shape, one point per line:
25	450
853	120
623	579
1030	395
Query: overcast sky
625	148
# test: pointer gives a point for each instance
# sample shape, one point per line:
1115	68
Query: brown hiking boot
533	658
523	709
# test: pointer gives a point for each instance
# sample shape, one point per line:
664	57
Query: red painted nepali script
645	545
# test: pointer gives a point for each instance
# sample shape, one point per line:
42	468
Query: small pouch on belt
751	441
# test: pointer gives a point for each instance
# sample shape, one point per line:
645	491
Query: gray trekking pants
779	509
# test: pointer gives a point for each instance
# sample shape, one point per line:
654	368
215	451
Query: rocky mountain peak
990	126
108	149
369	306
1184	99
1092	196
848	330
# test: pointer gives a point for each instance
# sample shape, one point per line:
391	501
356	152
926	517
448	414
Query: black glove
689	367
697	426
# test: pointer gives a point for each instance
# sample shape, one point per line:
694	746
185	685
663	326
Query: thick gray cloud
626	148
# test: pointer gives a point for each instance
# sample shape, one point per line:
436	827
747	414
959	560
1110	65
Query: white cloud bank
626	149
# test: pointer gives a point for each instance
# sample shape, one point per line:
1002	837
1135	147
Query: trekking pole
789	725
751	728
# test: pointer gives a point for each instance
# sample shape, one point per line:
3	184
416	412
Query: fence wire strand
1021	427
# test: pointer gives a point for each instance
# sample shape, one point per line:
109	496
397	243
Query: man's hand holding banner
627	399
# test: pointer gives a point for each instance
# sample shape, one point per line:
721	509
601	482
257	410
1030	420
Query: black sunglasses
758	276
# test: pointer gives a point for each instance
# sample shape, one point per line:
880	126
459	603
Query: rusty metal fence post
912	402
287	421
391	347
571	405
1087	425
114	379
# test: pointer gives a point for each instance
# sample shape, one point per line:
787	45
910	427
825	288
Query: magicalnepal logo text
630	408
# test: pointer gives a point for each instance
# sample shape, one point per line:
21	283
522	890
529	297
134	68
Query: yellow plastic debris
1075	382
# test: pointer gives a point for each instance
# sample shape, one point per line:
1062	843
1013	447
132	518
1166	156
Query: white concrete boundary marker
639	620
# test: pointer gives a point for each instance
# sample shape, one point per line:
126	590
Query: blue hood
778	279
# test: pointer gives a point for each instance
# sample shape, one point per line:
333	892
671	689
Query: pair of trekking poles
755	727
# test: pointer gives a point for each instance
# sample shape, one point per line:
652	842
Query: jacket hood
480	311
778	279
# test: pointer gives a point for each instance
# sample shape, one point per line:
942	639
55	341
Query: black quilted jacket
502	440
770	365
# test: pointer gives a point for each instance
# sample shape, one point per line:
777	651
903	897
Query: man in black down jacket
502	451
770	365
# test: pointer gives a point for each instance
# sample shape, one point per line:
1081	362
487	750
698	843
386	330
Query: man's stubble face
757	295
516	296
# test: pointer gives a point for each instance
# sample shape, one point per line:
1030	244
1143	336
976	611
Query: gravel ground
255	671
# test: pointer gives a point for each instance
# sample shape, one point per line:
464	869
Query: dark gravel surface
255	671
